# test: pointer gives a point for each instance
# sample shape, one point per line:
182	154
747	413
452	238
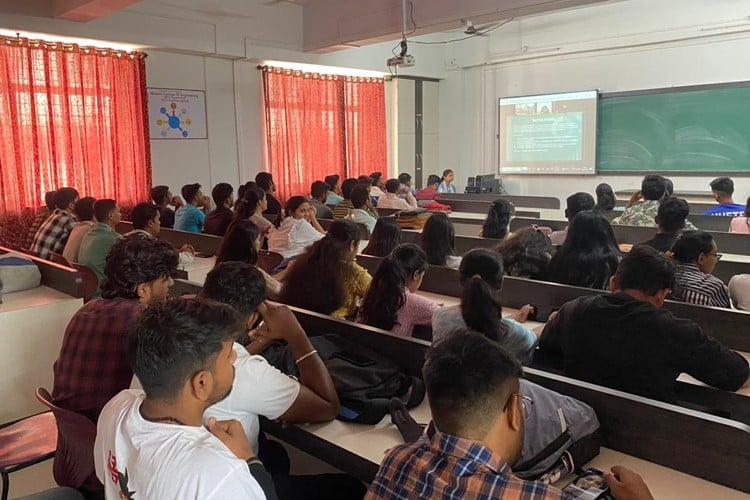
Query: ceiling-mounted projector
406	61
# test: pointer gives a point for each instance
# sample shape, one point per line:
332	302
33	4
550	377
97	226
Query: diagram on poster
177	114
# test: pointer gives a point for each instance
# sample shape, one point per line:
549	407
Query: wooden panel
520	222
711	222
364	233
441	280
735	243
695	443
203	243
62	278
545	202
463	243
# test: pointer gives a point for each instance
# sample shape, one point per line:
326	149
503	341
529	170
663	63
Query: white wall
639	44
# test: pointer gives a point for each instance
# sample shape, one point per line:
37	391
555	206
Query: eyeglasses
526	404
717	255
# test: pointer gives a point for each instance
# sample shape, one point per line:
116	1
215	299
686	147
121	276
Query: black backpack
365	381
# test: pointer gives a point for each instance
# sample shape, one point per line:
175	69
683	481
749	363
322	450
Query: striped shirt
441	466
696	287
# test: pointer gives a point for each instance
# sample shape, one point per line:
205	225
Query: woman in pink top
741	224
391	302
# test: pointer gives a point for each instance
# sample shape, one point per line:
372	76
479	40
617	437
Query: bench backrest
62	278
206	244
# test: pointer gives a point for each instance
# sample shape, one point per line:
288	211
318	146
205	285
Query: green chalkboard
675	130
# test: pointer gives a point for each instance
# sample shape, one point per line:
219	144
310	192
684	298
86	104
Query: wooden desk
480	202
199	268
33	325
463	243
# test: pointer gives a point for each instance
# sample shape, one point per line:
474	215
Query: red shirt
93	364
426	194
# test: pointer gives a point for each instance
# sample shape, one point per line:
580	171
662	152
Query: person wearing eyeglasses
476	433
626	340
696	255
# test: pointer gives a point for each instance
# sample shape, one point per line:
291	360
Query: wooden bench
463	243
62	278
364	233
205	244
480	202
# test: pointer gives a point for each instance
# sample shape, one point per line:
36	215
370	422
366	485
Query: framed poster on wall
177	114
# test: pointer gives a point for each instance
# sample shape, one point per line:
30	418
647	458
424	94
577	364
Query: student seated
333	196
42	214
446	183
439	241
264	181
163	197
153	443
54	232
643	213
252	207
344	207
391	198
741	224
589	256
93	364
377	183
481	276
722	189
242	244
670	220
626	339
526	254
429	192
192	215
84	211
99	240
391	302
326	278
476	434
696	255
497	223
405	180
147	224
218	220
260	389
384	238
360	199
297	231
574	204
318	195
605	198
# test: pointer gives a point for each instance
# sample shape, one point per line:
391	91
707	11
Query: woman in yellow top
326	279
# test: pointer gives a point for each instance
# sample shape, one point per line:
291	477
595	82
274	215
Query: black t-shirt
662	242
616	341
274	207
166	217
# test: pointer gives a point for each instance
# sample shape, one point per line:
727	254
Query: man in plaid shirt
472	388
54	232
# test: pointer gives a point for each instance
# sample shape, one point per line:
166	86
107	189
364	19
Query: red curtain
318	125
71	116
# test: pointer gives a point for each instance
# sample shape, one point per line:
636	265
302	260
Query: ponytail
480	309
387	295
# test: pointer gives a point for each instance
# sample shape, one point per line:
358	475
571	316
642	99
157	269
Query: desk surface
199	268
36	297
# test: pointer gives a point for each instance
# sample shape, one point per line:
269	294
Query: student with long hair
326	279
589	256
384	238
526	254
446	184
242	243
498	220
605	198
439	241
391	302
298	230
481	274
741	224
252	207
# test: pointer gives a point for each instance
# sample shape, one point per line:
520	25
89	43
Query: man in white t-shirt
259	388
154	445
